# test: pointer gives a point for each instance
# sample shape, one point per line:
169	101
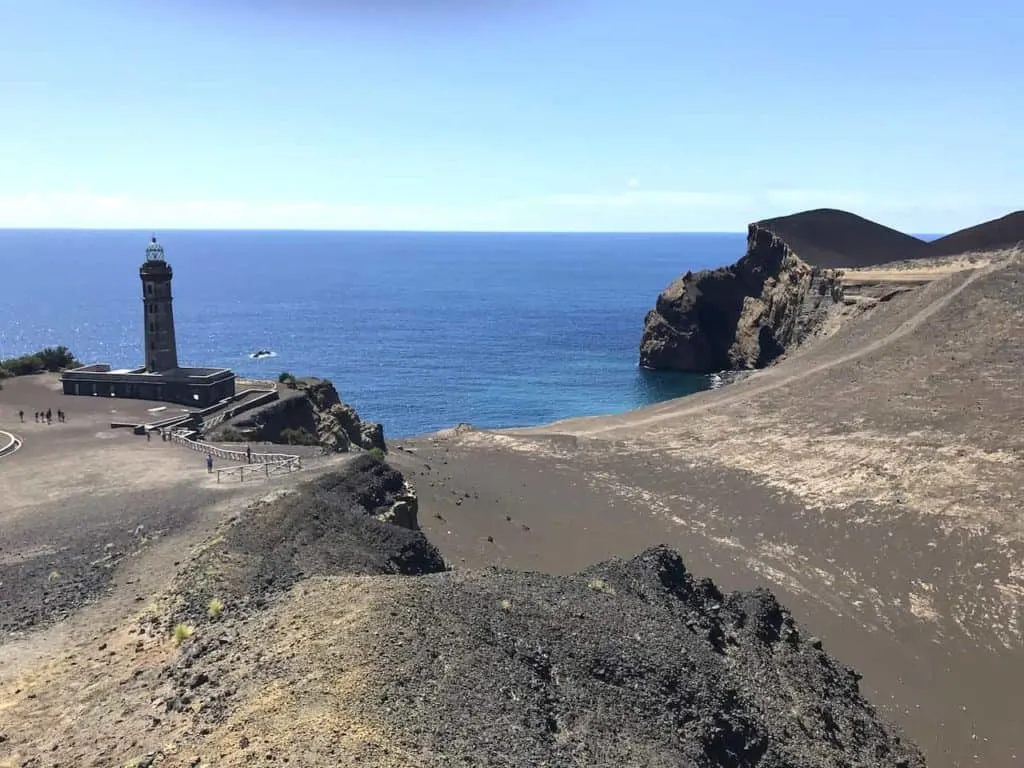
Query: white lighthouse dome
154	251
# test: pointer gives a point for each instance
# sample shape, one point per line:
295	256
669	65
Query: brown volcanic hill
834	239
748	314
776	296
1004	232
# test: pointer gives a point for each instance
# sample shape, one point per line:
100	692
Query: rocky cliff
747	315
739	317
311	411
361	520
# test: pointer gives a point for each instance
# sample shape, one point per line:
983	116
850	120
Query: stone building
160	378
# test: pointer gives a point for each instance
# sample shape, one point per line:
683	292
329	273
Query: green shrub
377	453
298	436
232	435
48	359
22	366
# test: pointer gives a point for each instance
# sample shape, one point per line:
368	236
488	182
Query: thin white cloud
633	184
82	209
631	209
632	198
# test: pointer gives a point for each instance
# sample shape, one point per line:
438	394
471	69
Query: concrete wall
181	391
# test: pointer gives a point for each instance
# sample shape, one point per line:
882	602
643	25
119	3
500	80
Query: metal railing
241	456
265	470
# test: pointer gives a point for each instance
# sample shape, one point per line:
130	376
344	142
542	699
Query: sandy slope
873	478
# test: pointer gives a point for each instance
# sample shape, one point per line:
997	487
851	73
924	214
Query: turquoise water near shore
419	331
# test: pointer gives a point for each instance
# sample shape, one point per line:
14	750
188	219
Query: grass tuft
214	608
600	585
181	633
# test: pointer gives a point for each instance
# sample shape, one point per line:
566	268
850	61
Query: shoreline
730	378
549	427
833	478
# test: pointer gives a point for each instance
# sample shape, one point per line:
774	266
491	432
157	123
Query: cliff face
739	317
338	426
361	520
313	412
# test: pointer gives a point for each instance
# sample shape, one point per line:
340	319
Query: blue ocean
419	331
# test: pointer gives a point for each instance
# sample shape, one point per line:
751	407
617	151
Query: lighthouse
161	378
158	312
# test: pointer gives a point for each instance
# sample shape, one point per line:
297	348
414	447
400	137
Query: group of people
45	417
164	435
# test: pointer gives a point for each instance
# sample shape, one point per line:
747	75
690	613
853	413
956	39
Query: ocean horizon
417	330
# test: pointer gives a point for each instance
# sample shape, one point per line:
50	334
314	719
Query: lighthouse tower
158	318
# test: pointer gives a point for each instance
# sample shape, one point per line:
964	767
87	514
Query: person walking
209	462
248	454
21	415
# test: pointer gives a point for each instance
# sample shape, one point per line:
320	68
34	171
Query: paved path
9	443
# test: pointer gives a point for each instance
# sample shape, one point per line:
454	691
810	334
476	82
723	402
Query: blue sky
650	115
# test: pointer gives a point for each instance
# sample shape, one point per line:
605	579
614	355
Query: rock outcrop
631	662
739	317
747	315
313	412
338	426
359	520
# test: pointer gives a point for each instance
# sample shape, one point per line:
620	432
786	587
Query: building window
149	288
